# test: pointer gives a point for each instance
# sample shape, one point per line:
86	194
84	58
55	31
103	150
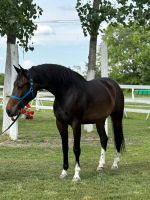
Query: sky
54	41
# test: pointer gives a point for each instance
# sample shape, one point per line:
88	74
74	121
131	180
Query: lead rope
11	124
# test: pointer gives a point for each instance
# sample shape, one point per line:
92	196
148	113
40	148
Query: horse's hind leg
103	139
63	130
118	137
76	126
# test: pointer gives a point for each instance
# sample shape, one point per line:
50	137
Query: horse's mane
59	73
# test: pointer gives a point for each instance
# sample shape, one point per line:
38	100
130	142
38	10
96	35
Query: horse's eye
20	86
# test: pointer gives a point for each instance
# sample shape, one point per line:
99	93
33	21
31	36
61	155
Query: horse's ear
21	68
17	69
24	71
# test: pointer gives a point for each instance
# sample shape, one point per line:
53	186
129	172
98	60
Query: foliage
16	20
121	11
146	74
135	10
128	51
1	79
91	18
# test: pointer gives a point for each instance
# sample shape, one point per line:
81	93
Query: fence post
104	69
132	93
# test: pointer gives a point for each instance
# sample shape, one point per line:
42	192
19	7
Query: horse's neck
45	80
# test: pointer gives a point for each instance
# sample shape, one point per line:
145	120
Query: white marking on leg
106	127
76	177
102	160
63	174
116	161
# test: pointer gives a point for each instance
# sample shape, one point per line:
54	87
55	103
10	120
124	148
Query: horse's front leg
76	126
63	129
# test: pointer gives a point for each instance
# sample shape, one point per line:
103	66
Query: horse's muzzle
12	112
9	113
13	108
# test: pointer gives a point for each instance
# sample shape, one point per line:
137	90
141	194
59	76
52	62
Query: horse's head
23	92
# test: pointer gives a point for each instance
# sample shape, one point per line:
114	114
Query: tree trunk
12	58
91	69
92	58
93	45
11	39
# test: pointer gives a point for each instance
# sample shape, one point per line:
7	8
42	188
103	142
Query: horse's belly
96	114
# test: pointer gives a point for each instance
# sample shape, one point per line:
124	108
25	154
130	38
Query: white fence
43	97
134	100
135	87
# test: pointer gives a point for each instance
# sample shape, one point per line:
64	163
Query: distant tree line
1	79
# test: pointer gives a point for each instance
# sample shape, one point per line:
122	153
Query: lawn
30	167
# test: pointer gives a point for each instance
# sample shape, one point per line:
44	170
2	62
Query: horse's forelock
22	77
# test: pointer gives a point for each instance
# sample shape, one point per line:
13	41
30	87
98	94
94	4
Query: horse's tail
117	117
118	134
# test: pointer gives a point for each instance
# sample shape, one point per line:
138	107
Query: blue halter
21	99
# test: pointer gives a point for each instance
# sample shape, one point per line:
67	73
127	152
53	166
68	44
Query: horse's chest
62	113
67	108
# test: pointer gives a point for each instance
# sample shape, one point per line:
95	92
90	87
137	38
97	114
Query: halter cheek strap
21	99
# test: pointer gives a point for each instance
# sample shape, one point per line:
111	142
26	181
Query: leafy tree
16	21
128	50
146	68
94	13
133	11
1	79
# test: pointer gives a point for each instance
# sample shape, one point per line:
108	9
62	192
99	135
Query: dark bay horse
77	102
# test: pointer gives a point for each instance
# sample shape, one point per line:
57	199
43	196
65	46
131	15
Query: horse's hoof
114	167
63	174
76	179
100	168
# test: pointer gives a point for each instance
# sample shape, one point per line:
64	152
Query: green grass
30	167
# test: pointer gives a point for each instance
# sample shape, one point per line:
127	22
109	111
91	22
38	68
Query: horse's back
116	91
119	97
104	97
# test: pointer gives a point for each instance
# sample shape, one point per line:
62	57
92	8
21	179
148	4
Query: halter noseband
21	99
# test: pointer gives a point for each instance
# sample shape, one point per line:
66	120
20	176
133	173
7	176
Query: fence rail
135	87
134	100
